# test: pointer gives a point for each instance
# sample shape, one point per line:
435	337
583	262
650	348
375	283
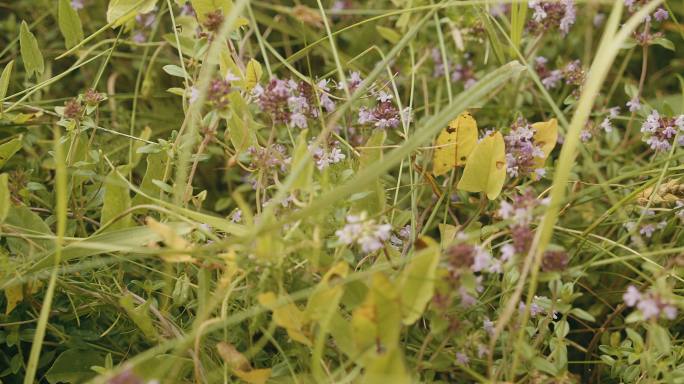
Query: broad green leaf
485	169
174	70
116	201
4	80
301	154
69	24
373	201
120	11
30	225
253	74
4	197
240	124
140	316
73	366
14	294
389	34
154	171
124	240
660	338
417	281
203	7
30	51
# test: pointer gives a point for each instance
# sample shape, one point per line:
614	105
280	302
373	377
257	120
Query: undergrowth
341	191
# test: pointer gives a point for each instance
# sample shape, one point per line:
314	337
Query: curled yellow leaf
454	144
545	136
485	170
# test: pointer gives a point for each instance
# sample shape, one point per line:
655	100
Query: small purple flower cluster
289	102
324	157
537	307
549	14
607	123
471	257
143	22
464	73
77	4
659	132
522	151
365	232
384	114
651	305
520	214
572	73
269	160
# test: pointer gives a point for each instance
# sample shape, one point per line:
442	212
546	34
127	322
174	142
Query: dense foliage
320	191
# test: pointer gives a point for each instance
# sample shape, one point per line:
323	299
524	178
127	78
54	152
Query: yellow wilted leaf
454	144
241	366
253	75
172	240
326	297
485	170
545	136
13	295
287	316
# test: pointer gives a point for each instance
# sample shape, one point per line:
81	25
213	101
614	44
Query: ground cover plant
318	191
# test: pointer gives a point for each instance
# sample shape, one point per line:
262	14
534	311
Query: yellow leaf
254	73
241	366
545	136
13	295
172	240
485	170
287	316
255	376
454	144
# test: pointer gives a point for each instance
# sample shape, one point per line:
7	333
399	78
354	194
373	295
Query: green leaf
27	223
544	365
154	171
4	80
202	7
417	281
582	314
301	154
389	34
69	24
73	366
659	338
373	201
174	70
116	201
140	316
4	197
30	51
240	124
120	11
665	43
8	149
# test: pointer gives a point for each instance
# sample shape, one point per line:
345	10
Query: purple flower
649	308
364	232
659	131
521	150
462	358
661	14
634	104
77	4
467	300
631	296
